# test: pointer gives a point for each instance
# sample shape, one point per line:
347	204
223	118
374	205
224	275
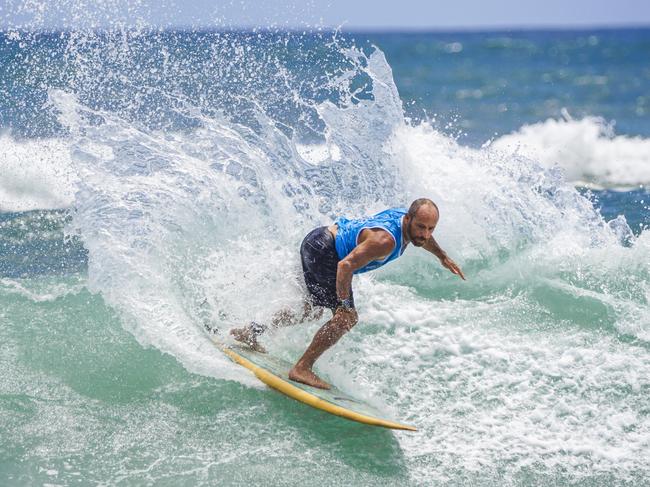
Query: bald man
332	255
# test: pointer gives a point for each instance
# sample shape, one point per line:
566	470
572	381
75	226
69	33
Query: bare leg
286	317
326	336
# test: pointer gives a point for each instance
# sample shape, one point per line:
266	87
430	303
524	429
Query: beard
416	241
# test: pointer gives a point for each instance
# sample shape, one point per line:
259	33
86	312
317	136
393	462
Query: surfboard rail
306	397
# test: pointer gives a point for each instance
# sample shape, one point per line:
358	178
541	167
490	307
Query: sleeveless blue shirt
348	232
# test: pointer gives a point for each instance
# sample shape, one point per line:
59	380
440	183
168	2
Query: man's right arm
376	246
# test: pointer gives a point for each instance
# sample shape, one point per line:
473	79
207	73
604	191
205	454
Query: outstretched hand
452	266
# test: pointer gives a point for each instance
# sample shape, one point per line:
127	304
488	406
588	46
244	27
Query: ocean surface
155	181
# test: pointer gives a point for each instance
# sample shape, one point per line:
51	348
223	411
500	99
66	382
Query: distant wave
587	150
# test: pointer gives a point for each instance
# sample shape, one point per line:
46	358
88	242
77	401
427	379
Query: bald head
424	204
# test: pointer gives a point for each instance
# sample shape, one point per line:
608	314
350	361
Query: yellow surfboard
274	373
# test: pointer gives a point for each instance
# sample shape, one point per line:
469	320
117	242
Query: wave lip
588	150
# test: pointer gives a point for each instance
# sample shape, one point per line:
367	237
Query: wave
38	173
200	224
42	291
588	150
174	219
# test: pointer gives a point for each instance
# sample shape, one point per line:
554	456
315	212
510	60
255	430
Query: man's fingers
459	272
453	267
456	270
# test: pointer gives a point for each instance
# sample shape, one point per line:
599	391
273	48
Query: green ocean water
83	403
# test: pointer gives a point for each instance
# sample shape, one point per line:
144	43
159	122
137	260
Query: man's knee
311	312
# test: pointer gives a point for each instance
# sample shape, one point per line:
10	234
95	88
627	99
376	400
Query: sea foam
588	150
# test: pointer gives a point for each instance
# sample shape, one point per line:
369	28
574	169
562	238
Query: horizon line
343	29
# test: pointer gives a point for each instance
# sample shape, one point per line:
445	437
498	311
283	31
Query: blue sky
351	14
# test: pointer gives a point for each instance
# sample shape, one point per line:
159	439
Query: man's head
421	220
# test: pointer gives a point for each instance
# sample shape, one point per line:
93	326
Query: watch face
346	303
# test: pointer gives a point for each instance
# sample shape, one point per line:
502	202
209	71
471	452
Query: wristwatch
346	304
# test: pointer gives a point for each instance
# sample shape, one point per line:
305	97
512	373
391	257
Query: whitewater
153	201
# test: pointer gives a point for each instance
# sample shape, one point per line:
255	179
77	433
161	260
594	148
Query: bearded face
416	238
420	228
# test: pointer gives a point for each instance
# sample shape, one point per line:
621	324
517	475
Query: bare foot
248	338
306	376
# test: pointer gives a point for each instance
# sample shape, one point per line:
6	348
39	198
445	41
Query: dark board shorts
319	263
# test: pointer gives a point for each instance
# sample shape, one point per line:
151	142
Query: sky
348	14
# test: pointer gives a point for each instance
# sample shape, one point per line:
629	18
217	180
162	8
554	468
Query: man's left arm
432	246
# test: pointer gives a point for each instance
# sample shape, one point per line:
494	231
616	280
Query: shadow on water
270	414
267	417
277	437
363	447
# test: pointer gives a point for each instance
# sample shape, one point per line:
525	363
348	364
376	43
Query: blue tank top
348	232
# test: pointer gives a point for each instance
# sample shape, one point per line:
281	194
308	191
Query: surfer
331	255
